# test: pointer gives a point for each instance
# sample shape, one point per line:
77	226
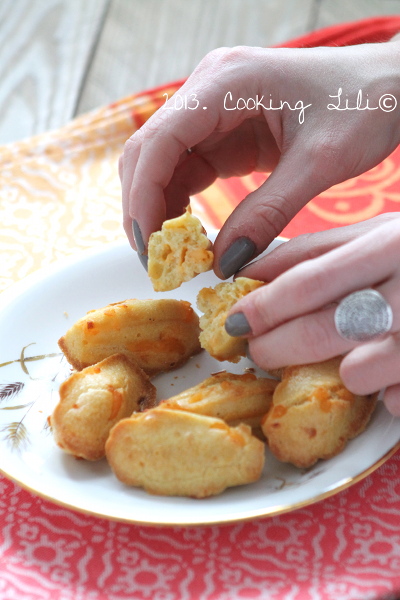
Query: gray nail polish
137	234
237	255
237	325
144	260
141	248
248	354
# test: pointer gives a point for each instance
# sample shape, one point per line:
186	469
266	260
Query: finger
235	153
264	213
316	283
308	246
165	139
308	339
121	167
167	134
314	338
248	147
373	366
127	224
126	167
191	176
391	399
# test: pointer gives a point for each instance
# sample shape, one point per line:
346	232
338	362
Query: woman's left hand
291	320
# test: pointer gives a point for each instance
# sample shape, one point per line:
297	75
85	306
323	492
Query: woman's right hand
307	148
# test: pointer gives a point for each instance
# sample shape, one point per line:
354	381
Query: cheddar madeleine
313	415
94	400
158	334
179	252
177	453
215	303
233	398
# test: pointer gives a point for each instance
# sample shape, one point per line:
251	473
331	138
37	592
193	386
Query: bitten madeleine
177	453
215	303
313	415
158	334
94	400
233	398
179	252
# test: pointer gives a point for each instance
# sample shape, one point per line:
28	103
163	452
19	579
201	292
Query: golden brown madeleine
313	415
233	398
158	334
215	303
177	453
179	252
94	400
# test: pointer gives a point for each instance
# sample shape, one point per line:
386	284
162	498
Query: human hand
291	320
306	157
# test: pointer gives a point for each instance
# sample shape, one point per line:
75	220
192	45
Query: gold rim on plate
246	516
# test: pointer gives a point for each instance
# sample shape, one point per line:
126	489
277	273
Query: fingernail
237	255
141	248
237	325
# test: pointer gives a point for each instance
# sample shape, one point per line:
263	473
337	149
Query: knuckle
209	61
263	315
316	336
131	144
221	59
272	216
311	283
309	246
355	375
234	55
326	159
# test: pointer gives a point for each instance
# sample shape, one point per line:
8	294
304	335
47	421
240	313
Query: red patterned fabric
346	547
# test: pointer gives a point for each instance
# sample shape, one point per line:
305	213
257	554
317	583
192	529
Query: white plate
37	311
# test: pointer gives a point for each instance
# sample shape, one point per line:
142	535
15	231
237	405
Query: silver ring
362	316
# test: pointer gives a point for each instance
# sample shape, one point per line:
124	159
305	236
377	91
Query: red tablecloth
346	547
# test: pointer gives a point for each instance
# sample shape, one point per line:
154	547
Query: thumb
264	213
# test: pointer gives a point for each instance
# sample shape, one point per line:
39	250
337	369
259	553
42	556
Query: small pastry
233	398
159	335
215	303
94	400
179	252
177	453
313	415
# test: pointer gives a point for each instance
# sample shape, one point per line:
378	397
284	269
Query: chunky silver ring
362	316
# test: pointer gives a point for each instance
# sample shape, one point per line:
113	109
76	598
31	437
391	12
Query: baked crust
177	453
215	303
179	252
94	400
313	415
234	398
159	335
